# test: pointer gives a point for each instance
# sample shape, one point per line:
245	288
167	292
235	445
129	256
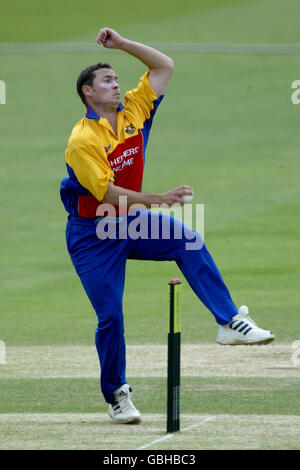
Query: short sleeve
91	168
140	102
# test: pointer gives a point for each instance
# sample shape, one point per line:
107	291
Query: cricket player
105	160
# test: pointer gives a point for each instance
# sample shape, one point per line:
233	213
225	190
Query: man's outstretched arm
171	197
160	66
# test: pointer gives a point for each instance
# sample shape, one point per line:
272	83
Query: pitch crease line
169	436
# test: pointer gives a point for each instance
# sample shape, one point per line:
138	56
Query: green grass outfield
228	128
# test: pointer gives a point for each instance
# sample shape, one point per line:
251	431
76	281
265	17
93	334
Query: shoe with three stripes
243	330
123	410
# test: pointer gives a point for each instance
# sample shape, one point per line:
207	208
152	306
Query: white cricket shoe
123	410
243	330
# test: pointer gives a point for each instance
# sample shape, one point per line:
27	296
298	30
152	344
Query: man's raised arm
160	66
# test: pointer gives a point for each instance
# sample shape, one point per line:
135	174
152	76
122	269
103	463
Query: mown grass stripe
207	48
197	360
96	431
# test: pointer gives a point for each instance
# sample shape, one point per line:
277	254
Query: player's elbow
165	68
170	65
169	70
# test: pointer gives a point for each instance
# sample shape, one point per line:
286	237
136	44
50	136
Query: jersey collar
90	113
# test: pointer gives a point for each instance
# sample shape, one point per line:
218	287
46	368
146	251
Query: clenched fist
109	38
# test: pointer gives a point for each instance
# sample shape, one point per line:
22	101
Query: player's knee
193	241
111	318
191	244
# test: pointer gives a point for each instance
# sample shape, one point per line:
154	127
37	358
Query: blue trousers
100	263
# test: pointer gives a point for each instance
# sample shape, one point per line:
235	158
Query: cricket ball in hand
187	197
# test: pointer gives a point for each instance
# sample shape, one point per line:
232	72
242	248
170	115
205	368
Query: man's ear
86	90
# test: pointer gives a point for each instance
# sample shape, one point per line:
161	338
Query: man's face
105	90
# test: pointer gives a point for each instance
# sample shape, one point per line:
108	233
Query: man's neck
108	113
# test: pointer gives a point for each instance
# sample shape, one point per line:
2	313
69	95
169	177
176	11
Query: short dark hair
86	77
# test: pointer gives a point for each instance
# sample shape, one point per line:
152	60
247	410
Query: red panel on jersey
127	163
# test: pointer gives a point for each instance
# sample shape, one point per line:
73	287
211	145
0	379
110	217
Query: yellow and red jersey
96	155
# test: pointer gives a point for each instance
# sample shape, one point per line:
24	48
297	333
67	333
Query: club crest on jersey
130	129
